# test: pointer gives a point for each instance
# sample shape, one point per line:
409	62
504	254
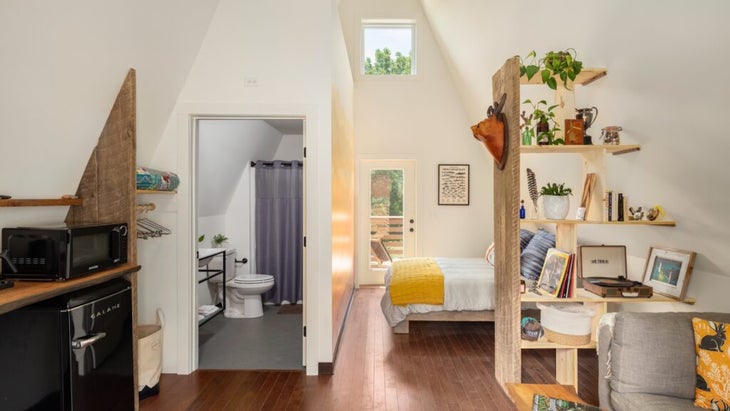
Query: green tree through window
385	63
392	180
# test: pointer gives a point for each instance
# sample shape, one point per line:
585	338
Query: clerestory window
388	47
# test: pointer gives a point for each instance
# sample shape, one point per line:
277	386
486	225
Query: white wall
421	118
285	46
664	87
225	148
63	65
290	148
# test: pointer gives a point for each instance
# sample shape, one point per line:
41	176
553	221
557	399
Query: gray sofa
646	361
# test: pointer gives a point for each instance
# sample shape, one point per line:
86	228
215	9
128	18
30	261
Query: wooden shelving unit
583	296
41	202
508	344
661	223
156	192
585	77
614	149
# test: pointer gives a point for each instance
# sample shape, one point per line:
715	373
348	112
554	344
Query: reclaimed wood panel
506	231
108	184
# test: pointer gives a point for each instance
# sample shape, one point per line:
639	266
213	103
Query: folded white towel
207	309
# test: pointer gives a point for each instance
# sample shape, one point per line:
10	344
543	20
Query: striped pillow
533	256
525	237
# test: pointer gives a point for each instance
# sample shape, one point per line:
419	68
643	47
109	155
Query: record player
603	270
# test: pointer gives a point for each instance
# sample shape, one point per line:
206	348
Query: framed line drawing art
453	184
668	270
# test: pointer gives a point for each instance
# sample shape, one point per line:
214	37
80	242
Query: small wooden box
574	131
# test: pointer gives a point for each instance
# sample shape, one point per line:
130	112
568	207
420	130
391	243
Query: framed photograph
553	272
454	184
667	271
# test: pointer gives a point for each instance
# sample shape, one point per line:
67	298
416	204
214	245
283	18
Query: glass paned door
387	229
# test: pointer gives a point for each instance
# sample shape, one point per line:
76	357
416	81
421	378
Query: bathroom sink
207	254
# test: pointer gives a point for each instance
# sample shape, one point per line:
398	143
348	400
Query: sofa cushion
653	353
638	401
713	364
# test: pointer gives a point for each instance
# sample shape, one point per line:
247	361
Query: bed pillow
533	257
489	256
525	237
713	364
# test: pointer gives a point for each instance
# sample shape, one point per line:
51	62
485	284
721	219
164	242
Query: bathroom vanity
205	256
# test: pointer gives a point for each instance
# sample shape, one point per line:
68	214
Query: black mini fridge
72	352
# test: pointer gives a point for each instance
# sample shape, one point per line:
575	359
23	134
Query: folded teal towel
151	179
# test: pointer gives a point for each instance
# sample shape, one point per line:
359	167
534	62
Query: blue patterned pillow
533	256
525	237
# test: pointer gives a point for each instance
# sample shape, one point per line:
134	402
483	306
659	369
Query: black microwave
62	252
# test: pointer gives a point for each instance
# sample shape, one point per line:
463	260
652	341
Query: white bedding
468	286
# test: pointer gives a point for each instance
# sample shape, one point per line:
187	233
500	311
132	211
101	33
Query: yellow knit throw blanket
416	281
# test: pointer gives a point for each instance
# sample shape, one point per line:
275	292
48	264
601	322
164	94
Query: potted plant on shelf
555	201
561	64
545	124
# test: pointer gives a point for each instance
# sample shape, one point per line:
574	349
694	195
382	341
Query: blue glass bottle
522	209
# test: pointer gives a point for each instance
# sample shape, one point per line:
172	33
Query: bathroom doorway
257	322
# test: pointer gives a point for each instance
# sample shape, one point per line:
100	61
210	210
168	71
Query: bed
468	295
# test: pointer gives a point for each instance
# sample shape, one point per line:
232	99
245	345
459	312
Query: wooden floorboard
437	366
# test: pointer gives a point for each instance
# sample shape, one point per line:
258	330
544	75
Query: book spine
620	207
610	206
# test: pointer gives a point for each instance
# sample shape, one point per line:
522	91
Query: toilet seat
244	279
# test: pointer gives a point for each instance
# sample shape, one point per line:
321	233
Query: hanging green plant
562	64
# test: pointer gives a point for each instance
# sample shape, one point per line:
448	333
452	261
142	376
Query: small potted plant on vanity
555	201
218	240
545	124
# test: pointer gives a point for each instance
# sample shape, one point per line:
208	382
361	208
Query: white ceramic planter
555	207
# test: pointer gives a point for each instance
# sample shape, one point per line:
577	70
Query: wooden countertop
28	292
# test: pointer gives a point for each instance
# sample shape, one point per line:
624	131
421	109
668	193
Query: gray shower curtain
279	228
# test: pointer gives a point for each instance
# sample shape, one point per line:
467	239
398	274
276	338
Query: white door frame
187	324
365	274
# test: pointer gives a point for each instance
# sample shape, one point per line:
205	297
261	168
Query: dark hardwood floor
438	366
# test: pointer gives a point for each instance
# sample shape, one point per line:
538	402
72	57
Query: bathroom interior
249	190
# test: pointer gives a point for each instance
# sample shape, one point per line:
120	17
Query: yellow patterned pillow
713	364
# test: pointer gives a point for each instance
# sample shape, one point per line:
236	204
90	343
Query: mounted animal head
492	132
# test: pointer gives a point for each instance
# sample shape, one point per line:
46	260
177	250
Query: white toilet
243	291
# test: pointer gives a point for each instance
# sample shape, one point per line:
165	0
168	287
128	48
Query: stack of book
557	277
615	206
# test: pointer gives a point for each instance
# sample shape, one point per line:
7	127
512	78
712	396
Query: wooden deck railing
390	231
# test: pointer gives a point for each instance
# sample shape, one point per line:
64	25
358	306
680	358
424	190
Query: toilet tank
217	263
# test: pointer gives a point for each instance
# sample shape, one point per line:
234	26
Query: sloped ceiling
225	150
63	64
475	37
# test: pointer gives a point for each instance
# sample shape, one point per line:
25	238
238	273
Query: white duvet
468	286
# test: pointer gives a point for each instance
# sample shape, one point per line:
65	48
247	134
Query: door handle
410	229
412	221
87	341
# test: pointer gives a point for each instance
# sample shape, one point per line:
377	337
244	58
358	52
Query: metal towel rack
147	228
